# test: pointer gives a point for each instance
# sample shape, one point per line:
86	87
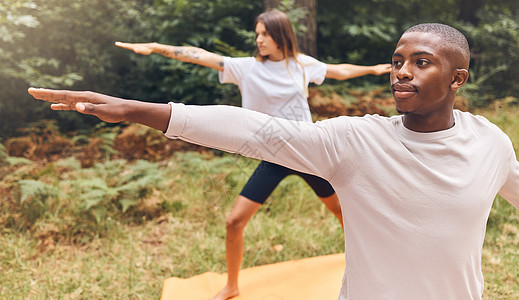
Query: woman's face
266	44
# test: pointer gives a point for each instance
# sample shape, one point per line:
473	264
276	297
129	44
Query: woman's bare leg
240	215
333	204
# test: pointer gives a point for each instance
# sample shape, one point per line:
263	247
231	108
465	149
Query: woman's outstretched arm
187	54
348	71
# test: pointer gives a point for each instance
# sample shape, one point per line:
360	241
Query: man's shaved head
451	38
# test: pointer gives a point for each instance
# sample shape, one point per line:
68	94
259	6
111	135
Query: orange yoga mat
315	278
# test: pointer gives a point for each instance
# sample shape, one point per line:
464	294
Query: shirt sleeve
234	69
314	69
510	190
314	148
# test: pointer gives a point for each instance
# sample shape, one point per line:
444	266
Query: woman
274	82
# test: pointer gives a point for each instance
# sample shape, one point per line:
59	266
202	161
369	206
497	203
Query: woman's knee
236	223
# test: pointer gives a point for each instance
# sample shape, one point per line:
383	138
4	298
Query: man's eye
397	63
422	62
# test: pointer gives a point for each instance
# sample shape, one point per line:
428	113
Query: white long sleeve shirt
414	205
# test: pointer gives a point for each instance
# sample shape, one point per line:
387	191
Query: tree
21	65
303	14
63	44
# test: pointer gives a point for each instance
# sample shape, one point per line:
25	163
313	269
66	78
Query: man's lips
401	90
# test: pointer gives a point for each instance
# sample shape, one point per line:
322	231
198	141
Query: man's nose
404	72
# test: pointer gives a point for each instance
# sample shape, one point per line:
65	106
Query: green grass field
58	243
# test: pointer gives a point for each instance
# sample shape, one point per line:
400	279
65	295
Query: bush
495	57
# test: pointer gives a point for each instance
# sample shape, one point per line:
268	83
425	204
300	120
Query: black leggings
267	176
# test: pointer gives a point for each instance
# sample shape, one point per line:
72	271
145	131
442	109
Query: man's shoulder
468	118
480	125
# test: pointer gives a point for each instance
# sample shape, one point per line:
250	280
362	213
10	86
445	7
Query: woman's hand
381	69
139	48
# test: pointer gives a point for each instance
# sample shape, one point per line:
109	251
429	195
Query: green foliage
495	57
76	200
22	65
34	196
295	14
32	189
63	44
365	32
138	183
69	44
3	154
226	29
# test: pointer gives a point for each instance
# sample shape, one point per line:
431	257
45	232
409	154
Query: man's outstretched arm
314	148
107	108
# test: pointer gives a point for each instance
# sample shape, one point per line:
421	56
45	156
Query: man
415	190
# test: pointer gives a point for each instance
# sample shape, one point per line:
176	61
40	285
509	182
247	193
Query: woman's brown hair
278	26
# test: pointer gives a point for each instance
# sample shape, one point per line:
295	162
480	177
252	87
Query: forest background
104	203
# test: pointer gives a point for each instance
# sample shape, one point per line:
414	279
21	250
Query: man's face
421	75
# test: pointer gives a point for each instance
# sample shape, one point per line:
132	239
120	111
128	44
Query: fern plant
139	182
33	199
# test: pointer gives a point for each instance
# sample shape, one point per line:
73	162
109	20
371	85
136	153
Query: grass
178	227
132	257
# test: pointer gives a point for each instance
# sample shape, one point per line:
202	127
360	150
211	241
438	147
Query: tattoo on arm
191	55
179	52
195	53
164	52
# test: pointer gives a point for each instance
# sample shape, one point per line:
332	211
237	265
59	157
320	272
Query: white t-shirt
415	205
272	88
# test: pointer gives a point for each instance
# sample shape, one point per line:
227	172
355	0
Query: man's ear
460	76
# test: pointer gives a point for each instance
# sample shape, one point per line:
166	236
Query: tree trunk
269	4
307	41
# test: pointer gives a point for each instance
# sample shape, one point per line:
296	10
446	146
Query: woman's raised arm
187	54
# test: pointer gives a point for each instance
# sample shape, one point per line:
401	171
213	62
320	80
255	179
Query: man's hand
106	108
143	48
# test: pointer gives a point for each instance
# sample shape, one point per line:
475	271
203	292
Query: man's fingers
67	98
102	106
61	106
86	108
81	107
54	96
102	111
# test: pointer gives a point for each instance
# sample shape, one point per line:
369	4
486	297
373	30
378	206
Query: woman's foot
226	293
